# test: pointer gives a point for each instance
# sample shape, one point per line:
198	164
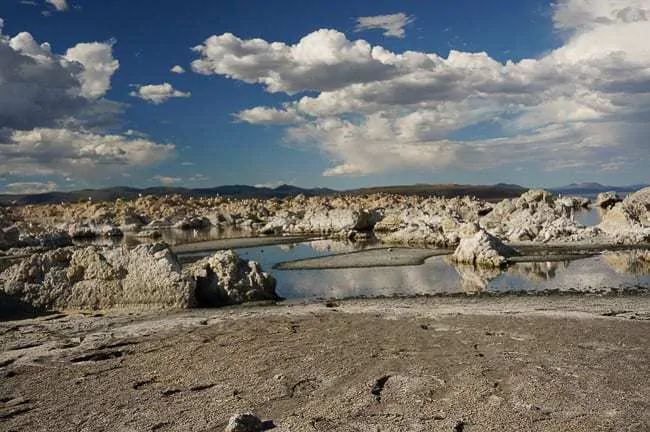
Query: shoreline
493	362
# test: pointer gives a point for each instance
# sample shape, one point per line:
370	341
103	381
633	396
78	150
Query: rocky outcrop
536	216
80	231
148	276
99	278
629	220
48	239
193	223
435	221
419	228
224	278
607	199
482	249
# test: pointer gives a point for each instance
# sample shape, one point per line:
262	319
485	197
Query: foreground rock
224	278
148	276
246	422
629	220
483	250
97	278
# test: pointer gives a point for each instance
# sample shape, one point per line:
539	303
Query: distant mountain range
487	192
595	188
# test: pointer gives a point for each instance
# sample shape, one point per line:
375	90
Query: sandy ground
453	364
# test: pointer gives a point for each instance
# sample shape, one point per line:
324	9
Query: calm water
437	276
614	271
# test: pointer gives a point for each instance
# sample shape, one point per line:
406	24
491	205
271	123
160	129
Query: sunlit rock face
99	278
629	220
482	249
435	221
536	216
224	278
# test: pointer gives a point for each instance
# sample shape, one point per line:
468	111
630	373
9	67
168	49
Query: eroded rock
98	278
244	422
224	278
482	249
607	199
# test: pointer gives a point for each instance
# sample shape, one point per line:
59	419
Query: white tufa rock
99	278
482	249
244	422
224	278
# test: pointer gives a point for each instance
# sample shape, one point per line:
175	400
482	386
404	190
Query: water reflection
475	279
589	217
619	270
170	236
635	262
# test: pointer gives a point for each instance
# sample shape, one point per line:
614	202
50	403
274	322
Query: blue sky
327	93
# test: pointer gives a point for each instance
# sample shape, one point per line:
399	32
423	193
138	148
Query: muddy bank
236	243
379	257
516	363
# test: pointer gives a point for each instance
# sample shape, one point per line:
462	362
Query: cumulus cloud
393	25
40	87
370	110
158	93
98	66
54	117
269	116
322	60
59	5
20	188
76	153
178	69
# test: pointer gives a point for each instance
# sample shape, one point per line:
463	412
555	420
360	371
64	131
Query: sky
330	93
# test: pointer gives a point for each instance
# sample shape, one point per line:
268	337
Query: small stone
244	422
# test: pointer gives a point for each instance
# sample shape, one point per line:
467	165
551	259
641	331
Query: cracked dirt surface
429	364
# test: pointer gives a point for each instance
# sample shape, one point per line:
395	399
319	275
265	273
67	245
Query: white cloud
322	60
40	88
20	188
77	153
53	117
166	180
580	106
269	116
178	69
158	93
59	5
393	25
581	14
99	66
